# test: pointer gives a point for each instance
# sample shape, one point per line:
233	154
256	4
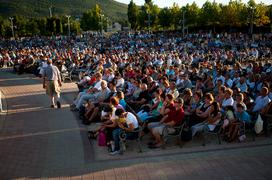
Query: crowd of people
131	81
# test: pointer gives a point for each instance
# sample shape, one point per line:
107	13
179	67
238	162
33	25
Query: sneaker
74	109
52	106
115	153
72	105
58	104
242	138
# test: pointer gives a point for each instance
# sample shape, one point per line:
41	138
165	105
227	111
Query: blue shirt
243	116
123	103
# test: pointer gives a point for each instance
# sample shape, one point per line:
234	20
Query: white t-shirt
113	116
98	85
131	119
120	82
228	102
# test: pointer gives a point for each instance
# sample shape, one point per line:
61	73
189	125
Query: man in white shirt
84	96
262	100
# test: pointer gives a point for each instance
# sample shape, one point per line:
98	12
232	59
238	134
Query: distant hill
39	8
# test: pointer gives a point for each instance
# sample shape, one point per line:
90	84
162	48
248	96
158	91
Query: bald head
49	61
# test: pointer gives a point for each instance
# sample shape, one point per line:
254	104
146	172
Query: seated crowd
142	82
201	97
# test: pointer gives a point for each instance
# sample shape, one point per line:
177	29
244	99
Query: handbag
102	141
258	125
186	134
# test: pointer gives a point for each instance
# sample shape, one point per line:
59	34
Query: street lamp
11	26
50	11
183	22
101	23
69	31
251	20
148	22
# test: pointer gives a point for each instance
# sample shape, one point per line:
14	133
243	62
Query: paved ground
39	142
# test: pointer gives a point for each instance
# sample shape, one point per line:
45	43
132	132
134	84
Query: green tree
154	12
32	27
175	15
2	26
148	15
19	23
59	29
41	22
234	14
86	20
261	15
210	14
192	14
132	13
165	18
148	2
92	19
75	26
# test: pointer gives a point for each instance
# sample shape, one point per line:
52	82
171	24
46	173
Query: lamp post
69	30
251	20
101	23
183	22
11	26
148	22
50	11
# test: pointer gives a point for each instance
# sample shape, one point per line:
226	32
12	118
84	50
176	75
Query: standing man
52	83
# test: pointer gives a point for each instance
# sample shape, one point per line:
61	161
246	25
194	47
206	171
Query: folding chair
216	132
175	131
122	135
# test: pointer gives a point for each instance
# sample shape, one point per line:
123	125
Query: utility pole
69	30
12	26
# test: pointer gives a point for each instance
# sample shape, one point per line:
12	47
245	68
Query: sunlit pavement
39	142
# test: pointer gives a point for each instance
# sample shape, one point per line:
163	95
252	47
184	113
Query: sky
169	3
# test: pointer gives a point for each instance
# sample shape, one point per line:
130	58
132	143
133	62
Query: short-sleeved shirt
51	73
98	85
144	95
227	102
176	115
229	115
131	119
244	116
260	103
